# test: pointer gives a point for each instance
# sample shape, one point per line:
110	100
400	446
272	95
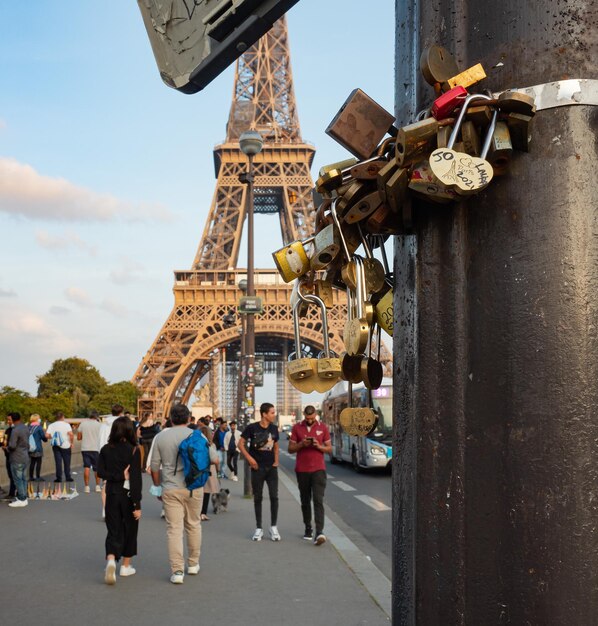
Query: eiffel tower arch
198	333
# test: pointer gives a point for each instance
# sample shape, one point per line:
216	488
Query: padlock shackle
468	100
366	246
310	297
489	135
296	325
338	226
361	294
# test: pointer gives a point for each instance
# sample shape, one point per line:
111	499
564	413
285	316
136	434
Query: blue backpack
195	453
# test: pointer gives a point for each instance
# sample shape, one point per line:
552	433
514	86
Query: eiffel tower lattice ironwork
197	339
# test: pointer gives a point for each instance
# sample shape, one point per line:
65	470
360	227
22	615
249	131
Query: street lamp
251	143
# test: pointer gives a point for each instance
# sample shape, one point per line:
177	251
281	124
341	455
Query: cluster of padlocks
452	150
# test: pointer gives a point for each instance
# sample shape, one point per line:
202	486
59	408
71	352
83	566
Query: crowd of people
118	449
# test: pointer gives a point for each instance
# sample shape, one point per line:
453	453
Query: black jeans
268	475
312	485
231	460
12	491
35	467
122	527
62	455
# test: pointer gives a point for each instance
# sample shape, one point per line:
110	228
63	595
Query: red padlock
448	102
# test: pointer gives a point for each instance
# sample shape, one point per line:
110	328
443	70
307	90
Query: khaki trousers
182	511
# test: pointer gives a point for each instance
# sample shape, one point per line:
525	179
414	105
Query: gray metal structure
496	401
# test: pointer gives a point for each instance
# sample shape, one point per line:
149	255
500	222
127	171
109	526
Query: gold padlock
384	309
415	140
356	331
501	148
325	247
291	261
359	421
323	289
328	365
300	370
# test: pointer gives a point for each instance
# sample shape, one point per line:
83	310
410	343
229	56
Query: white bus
369	452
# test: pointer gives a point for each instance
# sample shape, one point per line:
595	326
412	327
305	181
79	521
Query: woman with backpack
213	484
119	465
36	451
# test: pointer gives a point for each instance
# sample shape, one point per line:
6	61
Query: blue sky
106	174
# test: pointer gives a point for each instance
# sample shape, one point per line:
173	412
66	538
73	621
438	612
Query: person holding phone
310	440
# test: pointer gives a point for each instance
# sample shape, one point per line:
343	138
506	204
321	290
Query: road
360	503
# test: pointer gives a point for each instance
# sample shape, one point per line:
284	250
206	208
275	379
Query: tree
124	393
15	400
67	375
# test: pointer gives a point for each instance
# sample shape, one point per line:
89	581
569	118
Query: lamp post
251	143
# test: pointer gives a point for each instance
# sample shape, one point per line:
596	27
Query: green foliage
72	386
124	393
68	375
16	400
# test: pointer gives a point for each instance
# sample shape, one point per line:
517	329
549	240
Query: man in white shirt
88	434
61	438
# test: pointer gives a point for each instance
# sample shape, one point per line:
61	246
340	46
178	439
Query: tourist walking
119	464
61	437
231	445
213	484
310	440
218	440
182	508
36	456
18	457
12	490
88	434
148	429
262	456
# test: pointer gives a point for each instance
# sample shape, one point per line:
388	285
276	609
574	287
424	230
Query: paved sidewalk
53	559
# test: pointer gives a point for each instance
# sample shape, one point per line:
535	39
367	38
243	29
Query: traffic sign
250	305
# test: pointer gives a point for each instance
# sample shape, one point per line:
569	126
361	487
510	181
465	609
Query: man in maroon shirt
311	440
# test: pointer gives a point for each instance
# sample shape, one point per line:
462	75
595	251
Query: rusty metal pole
495	481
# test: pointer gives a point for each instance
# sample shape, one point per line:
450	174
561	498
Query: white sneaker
162	514
98	489
19	503
320	539
110	573
258	534
234	478
86	490
193	569
177	578
274	534
126	570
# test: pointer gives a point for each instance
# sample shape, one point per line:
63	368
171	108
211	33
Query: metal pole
497	350
250	322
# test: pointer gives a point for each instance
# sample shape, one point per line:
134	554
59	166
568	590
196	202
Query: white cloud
68	240
129	272
27	193
7	293
114	308
59	310
78	296
22	329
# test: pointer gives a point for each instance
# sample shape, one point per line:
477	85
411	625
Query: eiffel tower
198	344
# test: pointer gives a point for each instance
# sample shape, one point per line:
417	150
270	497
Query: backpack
32	442
57	439
195	453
